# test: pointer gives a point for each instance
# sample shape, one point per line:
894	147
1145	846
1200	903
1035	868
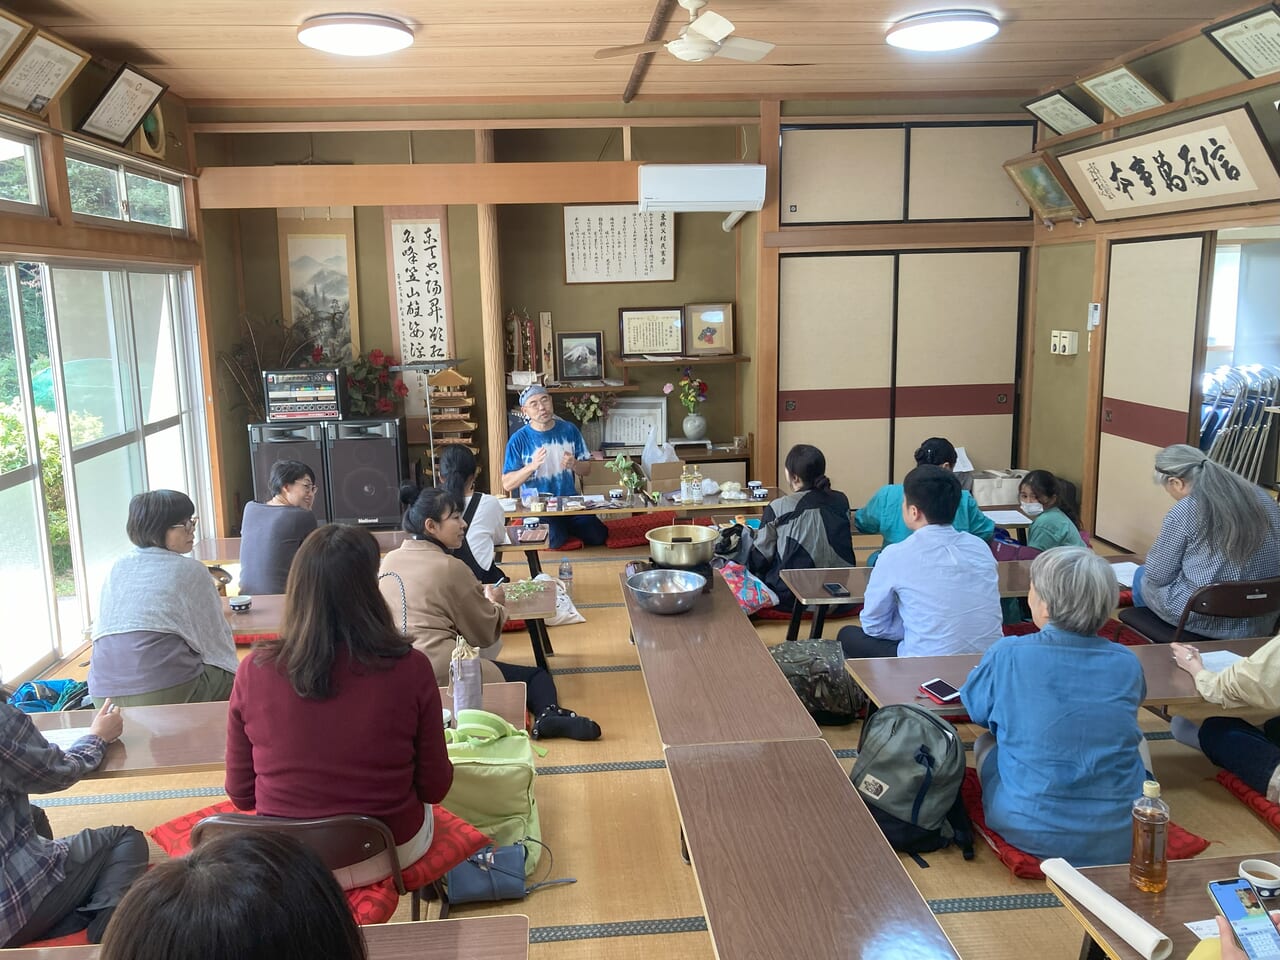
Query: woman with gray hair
1221	528
1064	757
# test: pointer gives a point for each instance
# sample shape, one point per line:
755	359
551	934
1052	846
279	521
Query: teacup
240	604
759	493
531	521
616	493
508	503
1263	875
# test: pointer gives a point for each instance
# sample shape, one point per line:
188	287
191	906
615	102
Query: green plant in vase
628	475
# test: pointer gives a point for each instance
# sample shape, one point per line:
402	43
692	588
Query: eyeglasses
189	526
309	487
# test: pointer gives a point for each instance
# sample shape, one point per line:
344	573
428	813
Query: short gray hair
1078	586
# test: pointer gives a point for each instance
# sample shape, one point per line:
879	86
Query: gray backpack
815	670
909	769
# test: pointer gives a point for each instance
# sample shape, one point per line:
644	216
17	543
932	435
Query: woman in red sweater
341	714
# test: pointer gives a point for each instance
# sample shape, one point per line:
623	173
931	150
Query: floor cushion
512	626
1117	632
772	613
1182	844
249	639
1126	597
1267	811
1019	629
77	939
630	531
452	842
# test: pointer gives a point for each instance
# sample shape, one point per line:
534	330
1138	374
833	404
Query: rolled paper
1135	931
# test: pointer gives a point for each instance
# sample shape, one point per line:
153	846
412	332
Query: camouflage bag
815	670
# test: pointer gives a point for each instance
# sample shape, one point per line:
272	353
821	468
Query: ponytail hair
429	503
456	465
1046	486
937	451
1229	514
807	464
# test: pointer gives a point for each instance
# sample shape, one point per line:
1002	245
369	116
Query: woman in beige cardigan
444	599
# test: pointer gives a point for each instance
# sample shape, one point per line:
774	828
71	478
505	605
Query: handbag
497	873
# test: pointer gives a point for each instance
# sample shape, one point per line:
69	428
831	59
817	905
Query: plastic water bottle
566	576
1148	861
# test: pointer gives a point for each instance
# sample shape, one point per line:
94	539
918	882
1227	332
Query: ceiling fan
706	35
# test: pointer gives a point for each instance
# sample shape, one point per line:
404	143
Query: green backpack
493	773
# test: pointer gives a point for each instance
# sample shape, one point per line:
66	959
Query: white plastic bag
655	453
566	612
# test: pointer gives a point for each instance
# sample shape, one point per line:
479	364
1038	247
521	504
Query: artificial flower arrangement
585	407
692	390
371	386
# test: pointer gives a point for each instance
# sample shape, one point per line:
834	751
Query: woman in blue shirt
1063	759
883	512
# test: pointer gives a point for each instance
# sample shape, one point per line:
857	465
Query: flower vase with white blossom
691	391
590	410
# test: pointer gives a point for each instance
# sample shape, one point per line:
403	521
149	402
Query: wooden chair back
339	841
1246	598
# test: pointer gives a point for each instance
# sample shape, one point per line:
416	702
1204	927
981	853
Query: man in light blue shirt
935	593
545	452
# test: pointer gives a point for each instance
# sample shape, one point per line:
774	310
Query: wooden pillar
495	373
765	362
1096	341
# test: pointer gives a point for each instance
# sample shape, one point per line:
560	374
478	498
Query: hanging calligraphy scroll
618	244
1216	161
418	271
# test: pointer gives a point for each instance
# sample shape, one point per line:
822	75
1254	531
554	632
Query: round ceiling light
943	30
354	34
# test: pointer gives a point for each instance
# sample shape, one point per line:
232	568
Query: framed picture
1040	182
1058	113
631	418
39	72
708	329
616	243
1121	91
1219	160
1251	41
13	30
123	105
650	331
580	356
318	278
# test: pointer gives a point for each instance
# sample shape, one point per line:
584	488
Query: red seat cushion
771	613
630	531
573	543
1117	632
511	626
1126	597
1019	629
77	939
452	842
1182	844
248	639
1264	808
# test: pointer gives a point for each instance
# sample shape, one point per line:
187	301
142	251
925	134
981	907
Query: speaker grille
365	470
305	442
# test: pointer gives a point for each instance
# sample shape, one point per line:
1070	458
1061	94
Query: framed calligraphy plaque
1121	91
1251	41
1040	181
418	274
39	72
1215	161
616	243
1058	113
127	99
650	331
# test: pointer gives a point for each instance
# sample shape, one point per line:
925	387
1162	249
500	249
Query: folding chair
1245	598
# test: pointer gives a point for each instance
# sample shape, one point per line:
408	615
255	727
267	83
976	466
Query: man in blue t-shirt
544	453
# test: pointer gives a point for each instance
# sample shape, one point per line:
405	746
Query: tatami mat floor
608	815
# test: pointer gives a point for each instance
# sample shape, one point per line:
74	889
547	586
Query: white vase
593	434
695	426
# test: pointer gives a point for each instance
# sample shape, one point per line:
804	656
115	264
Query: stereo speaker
269	442
367	462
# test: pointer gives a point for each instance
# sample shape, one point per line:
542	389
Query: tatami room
925	244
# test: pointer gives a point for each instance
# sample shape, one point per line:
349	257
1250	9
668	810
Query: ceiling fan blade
630	49
712	26
743	48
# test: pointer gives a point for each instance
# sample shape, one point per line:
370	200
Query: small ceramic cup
240	604
759	493
1263	875
753	484
616	493
531	521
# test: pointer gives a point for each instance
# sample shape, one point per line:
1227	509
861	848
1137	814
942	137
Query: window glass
153	341
153	201
95	189
18	182
95	355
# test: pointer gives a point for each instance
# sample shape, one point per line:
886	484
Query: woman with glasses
271	532
160	636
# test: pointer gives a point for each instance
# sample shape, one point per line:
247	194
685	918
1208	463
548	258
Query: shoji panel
834	364
955	172
842	175
1153	292
957	354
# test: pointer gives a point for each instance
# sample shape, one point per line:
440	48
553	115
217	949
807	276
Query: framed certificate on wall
122	106
1122	91
1251	41
39	72
650	331
1058	113
13	30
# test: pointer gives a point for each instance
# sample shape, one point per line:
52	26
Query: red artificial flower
377	357
383	376
317	354
384	405
351	381
400	388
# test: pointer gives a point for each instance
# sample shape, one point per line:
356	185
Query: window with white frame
21	190
103	189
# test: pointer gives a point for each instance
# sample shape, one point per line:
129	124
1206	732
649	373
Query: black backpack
909	769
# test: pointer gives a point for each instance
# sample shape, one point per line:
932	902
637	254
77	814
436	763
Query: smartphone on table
1238	902
836	589
939	691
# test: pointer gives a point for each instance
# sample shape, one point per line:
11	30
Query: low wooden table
530	550
473	938
665	505
534	610
263	618
1183	900
788	859
709	677
218	550
897	679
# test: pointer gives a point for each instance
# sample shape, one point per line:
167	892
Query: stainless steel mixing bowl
666	591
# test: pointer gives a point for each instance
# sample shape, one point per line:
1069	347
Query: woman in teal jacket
883	512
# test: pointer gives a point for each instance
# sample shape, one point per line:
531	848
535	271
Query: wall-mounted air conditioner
694	187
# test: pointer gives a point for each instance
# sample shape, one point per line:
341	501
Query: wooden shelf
621	388
619	361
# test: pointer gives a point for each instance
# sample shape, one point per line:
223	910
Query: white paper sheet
1135	931
963	463
1203	929
1124	572
64	738
1215	661
1008	518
